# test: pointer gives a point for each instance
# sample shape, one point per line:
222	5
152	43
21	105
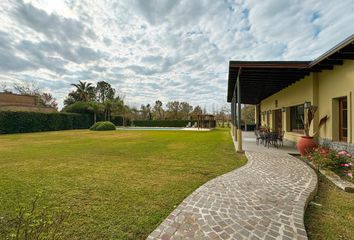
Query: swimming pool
150	128
163	128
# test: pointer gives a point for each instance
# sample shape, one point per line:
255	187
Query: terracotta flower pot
306	145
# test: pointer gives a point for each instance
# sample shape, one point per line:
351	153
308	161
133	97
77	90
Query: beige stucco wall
336	83
321	89
295	94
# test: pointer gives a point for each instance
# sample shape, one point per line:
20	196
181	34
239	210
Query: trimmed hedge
118	121
162	123
103	126
78	107
22	122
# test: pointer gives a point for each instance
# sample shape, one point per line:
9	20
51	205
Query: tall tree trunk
94	117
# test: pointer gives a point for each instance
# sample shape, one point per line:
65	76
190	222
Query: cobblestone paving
264	199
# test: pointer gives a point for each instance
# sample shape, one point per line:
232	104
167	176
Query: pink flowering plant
340	162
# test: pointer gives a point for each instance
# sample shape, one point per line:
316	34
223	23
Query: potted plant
307	143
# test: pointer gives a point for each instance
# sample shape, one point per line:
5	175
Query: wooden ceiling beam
332	62
274	75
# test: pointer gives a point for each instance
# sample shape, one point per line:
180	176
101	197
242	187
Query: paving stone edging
333	177
264	199
337	181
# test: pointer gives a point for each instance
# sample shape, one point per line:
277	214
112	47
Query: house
18	102
282	91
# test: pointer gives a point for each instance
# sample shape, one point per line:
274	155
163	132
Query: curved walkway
265	199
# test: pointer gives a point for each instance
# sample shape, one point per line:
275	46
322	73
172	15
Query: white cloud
160	49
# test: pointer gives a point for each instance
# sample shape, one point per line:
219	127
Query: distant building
16	102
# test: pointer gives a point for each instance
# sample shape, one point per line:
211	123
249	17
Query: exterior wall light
307	105
283	109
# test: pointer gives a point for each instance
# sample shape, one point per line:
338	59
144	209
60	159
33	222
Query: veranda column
239	130
235	118
232	117
256	115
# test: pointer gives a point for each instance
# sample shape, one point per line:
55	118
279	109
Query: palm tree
84	90
107	109
118	107
96	108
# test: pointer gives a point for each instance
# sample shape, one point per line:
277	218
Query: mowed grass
117	184
334	218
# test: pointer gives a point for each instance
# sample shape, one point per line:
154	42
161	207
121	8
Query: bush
162	123
103	126
22	122
32	221
94	126
78	107
340	162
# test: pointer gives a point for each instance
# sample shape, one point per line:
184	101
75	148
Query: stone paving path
265	199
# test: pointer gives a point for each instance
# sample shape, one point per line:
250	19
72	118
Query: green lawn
333	219
116	184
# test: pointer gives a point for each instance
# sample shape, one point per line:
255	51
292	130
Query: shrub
340	162
103	126
78	107
32	222
22	122
94	126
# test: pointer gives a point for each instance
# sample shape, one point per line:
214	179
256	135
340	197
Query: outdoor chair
258	136
280	137
189	125
272	139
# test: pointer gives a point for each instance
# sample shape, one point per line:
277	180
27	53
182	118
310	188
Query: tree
143	112
85	91
184	110
5	88
72	98
119	108
148	109
197	110
30	88
108	104
96	108
158	110
47	100
104	91
27	88
247	114
146	112
172	109
223	115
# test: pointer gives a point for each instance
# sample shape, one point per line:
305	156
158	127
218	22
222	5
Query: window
296	118
343	119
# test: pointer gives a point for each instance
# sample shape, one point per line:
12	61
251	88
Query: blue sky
159	49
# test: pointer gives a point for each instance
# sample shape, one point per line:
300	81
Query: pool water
151	128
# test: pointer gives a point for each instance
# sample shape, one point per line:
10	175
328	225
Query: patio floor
265	199
249	144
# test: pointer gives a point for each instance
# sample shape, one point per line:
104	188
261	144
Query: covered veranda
250	82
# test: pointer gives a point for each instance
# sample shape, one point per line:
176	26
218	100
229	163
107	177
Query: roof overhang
261	79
